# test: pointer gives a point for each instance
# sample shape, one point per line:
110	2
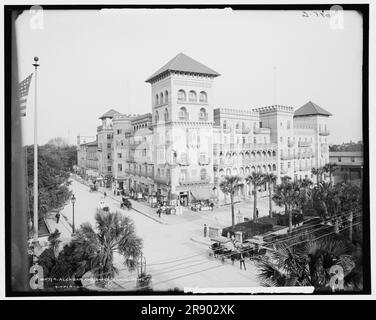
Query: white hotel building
186	145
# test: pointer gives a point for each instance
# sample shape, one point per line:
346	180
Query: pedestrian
159	212
104	194
212	205
257	213
242	261
57	217
205	230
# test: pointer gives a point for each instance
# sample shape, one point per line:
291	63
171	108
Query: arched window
183	114
203	96
166	115
161	98
192	96
181	95
224	124
156	117
203	174
166	96
156	100
203	115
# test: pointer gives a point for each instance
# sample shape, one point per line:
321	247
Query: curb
143	213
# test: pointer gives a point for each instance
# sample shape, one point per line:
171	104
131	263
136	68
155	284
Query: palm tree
255	179
318	172
270	179
285	194
307	263
330	168
229	186
95	249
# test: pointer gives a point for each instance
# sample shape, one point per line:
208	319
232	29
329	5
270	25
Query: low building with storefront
349	166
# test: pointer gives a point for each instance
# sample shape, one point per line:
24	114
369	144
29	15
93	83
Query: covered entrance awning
202	193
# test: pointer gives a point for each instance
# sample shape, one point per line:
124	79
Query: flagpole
36	65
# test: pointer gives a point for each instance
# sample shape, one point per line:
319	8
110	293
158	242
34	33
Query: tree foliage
229	186
92	249
54	165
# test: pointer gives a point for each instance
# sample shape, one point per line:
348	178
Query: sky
92	61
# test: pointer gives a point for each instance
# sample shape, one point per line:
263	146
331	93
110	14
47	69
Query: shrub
249	229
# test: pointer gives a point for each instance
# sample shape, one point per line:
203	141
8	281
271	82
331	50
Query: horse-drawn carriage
93	188
224	248
125	203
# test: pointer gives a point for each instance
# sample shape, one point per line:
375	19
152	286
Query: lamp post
73	199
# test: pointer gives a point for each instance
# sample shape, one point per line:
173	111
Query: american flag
23	91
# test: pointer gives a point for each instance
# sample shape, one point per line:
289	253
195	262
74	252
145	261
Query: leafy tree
270	179
92	250
318	172
256	179
229	186
330	168
304	262
95	249
53	173
286	194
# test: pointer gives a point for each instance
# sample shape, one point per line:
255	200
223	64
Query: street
172	258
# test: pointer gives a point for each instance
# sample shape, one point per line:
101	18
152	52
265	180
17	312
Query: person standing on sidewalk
57	217
205	230
242	261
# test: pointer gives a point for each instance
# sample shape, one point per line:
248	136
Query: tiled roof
93	143
184	63
110	114
311	109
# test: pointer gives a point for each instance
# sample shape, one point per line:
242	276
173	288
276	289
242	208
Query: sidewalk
63	227
137	206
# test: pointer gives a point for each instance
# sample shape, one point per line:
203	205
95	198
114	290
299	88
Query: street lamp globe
73	199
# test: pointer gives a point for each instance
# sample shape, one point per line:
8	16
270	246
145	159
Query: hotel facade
186	145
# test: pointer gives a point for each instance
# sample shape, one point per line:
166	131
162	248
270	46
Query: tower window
192	96
203	115
183	114
181	95
203	96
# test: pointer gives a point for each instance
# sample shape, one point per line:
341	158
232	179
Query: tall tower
312	120
279	119
105	145
182	120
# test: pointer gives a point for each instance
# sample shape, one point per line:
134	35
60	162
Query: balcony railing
243	130
204	161
305	155
261	131
226	162
324	132
183	162
304	144
287	157
161	179
185	182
